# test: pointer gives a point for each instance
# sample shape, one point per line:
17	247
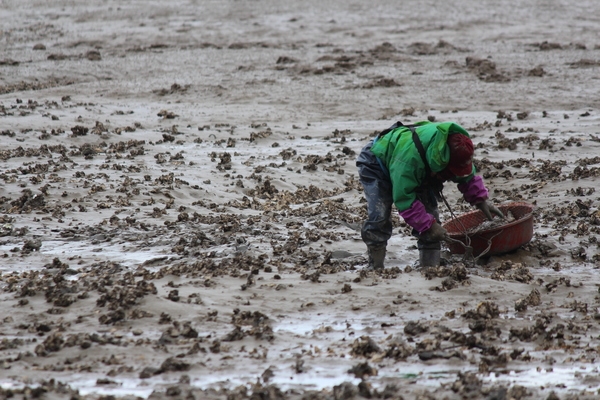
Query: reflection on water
105	251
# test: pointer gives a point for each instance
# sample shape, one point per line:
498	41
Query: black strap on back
420	149
434	184
388	130
415	138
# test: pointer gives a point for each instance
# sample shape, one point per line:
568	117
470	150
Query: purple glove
474	191
417	217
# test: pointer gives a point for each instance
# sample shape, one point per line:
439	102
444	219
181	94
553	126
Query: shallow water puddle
113	253
568	378
318	323
318	377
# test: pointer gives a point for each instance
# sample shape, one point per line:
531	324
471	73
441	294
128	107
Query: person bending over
407	165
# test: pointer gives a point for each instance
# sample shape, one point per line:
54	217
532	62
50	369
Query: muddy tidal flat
180	207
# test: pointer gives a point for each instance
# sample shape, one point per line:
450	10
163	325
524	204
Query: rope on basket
468	257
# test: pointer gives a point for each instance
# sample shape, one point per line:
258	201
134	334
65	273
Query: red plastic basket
504	238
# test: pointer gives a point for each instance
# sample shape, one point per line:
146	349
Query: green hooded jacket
397	152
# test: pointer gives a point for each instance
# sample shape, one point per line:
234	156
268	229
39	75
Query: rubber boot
376	257
429	257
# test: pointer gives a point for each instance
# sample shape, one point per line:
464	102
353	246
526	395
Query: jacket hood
434	137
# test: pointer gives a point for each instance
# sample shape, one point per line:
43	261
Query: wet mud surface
180	209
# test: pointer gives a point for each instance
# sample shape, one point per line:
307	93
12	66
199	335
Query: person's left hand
488	209
436	233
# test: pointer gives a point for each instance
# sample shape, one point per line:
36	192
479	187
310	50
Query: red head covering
461	154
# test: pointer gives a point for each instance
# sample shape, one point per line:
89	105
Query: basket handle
469	249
